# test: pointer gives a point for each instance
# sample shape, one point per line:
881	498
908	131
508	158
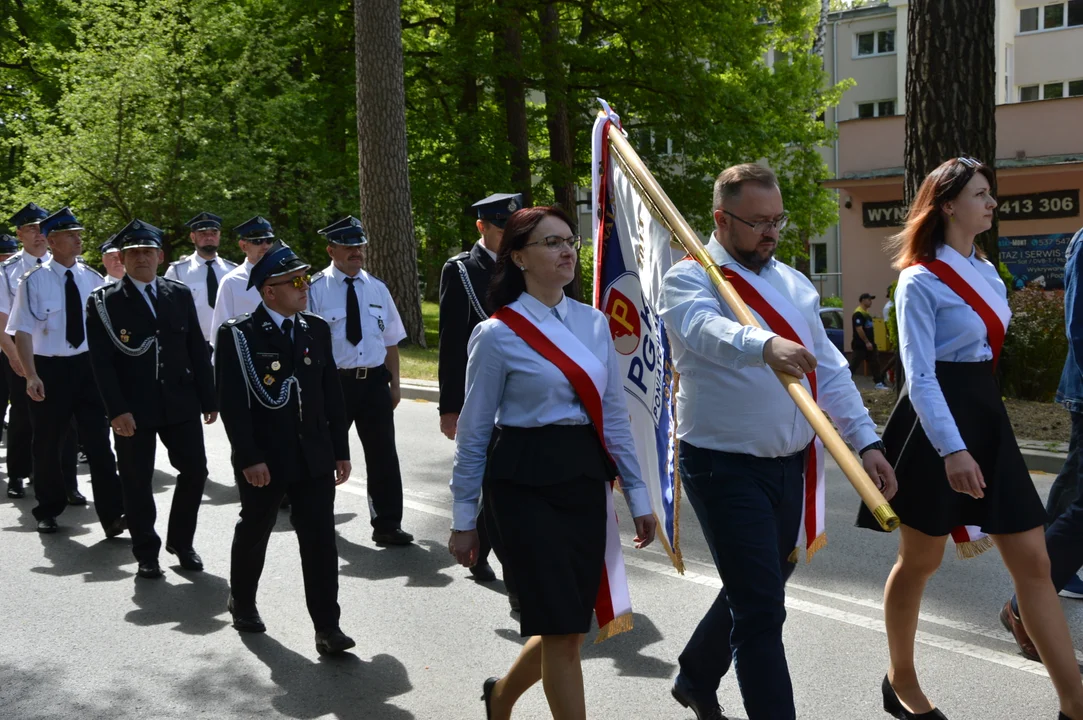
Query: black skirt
925	500
545	489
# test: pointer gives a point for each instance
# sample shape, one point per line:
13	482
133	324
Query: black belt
360	373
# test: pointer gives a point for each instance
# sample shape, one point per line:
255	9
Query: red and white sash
957	273
587	375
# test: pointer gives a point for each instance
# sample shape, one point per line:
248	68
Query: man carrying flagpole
749	461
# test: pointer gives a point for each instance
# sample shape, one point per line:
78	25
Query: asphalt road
82	638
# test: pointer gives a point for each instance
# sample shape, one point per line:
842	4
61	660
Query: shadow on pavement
344	687
420	563
192	602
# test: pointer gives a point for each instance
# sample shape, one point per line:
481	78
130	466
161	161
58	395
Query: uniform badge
268	379
124	336
308	361
380	322
513	206
276	365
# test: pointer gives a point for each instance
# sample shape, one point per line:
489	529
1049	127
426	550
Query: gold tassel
616	626
793	556
817	545
973	548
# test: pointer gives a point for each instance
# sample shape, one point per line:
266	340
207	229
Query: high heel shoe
1062	716
894	707
487	696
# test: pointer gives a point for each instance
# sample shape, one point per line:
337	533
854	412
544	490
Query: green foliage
831	301
1036	345
1006	276
892	319
586	274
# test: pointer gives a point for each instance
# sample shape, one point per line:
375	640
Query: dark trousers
859	354
1066	488
312	513
750	512
135	460
368	407
70	392
19	459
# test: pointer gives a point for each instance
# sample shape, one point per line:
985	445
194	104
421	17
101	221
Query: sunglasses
300	282
970	162
260	241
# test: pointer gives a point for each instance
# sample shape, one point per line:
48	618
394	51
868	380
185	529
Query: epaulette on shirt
240	318
317	276
10	261
175	263
81	261
458	258
31	271
229	263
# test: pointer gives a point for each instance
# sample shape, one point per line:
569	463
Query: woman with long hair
543	370
958	464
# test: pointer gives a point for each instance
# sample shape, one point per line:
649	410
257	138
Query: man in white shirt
365	333
203	271
49	323
234	296
744	444
114	266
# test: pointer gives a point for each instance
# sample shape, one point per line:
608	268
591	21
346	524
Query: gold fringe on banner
973	548
817	545
616	626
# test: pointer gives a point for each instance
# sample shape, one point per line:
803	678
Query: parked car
834	323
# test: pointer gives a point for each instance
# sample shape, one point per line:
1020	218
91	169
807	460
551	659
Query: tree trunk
509	57
383	171
950	90
821	29
466	127
555	84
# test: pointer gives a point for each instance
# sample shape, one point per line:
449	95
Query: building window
881	42
1051	91
1028	93
1075	88
880	108
1051	16
818	261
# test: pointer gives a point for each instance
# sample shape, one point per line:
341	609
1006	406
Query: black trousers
70	392
312	513
368	407
135	460
860	353
20	459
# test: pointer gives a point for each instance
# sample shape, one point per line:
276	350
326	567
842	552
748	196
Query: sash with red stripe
609	623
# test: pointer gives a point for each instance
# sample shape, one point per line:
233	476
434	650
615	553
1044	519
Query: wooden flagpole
846	459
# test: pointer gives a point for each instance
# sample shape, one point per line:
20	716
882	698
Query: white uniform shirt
381	326
233	298
729	399
13	270
936	324
509	383
41	310
192	271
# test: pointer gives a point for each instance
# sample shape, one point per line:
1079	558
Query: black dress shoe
116	527
245	619
483	572
48	525
189	559
333	642
894	707
392	537
76	498
704	709
513	601
487	696
149	570
16	489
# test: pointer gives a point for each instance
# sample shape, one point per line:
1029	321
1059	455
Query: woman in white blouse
544	467
959	468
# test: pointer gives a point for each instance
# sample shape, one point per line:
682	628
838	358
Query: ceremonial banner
632	251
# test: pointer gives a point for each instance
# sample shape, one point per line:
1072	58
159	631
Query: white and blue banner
632	251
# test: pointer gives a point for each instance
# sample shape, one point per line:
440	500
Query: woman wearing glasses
958	465
543	370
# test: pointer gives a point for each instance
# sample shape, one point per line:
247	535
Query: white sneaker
1074	589
881	386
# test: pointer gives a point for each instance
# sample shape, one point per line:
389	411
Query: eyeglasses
555	242
260	241
764	226
300	282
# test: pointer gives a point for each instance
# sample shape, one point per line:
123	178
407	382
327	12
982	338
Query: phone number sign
1035	259
1040	206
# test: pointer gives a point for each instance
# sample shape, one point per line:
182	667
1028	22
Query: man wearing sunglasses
282	406
366	331
235	296
203	271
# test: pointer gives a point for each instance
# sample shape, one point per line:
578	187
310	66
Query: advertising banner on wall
1035	259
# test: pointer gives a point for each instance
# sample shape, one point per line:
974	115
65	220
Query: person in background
863	345
9	245
235	295
114	266
203	271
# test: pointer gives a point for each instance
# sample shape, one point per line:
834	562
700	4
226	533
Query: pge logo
623	313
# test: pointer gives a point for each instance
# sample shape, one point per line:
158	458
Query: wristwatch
878	445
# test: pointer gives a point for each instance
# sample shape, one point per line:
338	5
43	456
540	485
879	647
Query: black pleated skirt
925	500
551	520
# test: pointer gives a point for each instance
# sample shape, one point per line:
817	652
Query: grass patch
421	363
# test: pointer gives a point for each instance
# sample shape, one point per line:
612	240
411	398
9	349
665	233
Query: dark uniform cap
204	221
8	244
866	295
109	245
62	219
347	231
257	228
499	207
279	260
30	214
137	234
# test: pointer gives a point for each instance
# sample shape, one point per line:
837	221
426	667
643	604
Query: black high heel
1062	716
894	707
487	696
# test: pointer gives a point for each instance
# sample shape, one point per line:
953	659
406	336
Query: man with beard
203	270
235	296
154	372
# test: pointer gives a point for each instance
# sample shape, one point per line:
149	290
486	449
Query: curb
424	390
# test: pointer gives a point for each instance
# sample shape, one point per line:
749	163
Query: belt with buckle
359	373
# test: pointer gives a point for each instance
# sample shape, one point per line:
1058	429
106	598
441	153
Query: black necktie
353	313
73	309
212	283
287	330
153	300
